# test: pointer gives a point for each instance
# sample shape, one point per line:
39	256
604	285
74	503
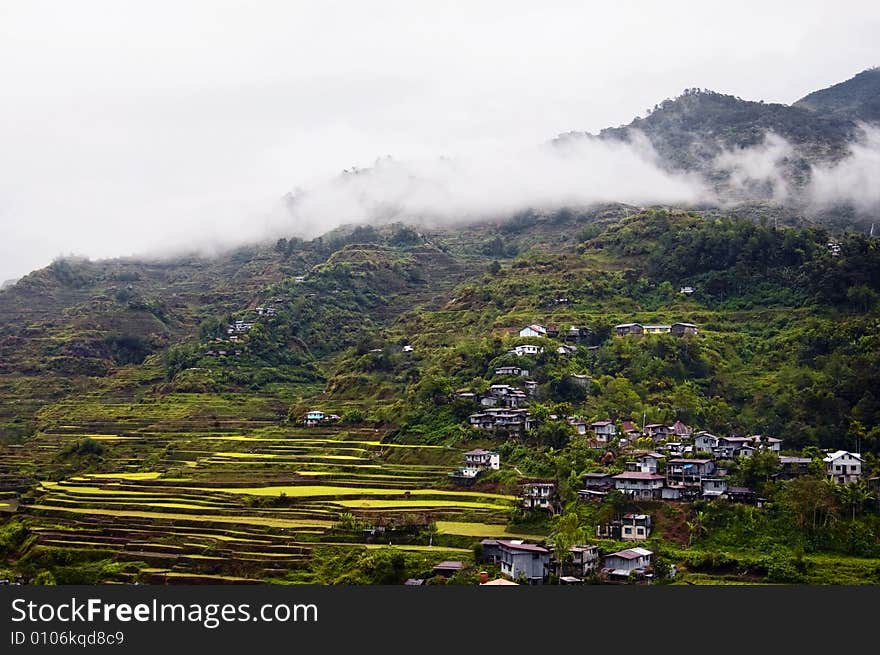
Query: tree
854	495
179	358
566	532
862	298
759	468
494	267
811	501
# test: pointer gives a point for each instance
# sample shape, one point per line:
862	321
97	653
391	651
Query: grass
235	520
467	529
91	491
403	504
423	549
126	476
308	491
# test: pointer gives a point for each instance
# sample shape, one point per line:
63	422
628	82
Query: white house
526	349
314	417
475	462
533	331
487	459
766	443
647	463
843	467
539	495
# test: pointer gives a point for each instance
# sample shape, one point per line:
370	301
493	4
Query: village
682	464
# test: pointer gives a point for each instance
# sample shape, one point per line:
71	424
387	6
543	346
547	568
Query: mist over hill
816	157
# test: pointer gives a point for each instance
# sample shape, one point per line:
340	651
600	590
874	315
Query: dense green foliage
384	327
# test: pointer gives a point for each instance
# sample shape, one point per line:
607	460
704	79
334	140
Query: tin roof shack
625	563
520	560
448	568
490	551
793	467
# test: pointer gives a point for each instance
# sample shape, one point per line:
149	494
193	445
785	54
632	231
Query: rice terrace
248	501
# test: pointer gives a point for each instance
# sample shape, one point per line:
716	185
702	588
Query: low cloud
854	180
757	171
576	172
765	171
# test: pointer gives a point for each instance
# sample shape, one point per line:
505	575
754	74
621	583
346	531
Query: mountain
856	99
152	411
690	133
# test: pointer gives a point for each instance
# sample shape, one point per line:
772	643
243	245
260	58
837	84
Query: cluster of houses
503	419
573	333
225	347
221	352
238	328
676	471
502	395
533	563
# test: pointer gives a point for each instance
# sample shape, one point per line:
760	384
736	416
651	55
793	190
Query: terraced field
193	500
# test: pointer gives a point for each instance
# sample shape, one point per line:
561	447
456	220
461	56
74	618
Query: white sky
135	126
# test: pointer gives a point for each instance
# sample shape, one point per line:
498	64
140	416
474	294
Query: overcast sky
130	126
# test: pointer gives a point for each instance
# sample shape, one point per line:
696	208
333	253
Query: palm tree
855	495
697	527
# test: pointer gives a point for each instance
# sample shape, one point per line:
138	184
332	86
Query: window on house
853	468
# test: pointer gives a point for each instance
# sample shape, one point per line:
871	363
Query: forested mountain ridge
701	130
858	98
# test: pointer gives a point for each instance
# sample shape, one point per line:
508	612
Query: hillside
857	99
152	412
